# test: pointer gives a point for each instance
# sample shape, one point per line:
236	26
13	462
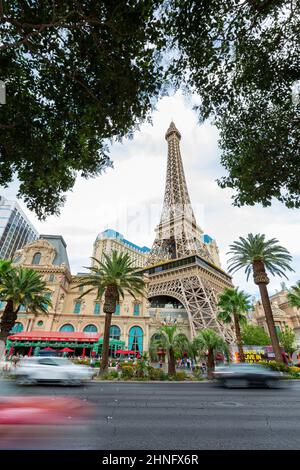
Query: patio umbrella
48	349
120	351
66	350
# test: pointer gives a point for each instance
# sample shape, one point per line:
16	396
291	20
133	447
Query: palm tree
5	267
294	295
112	278
173	343
209	341
21	286
258	255
233	305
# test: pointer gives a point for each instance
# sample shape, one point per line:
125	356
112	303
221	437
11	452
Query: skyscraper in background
15	228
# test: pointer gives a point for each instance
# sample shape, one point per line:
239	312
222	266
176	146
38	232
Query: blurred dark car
247	375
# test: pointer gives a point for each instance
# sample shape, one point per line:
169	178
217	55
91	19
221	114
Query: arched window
114	332
90	329
17	328
67	328
155	337
36	258
135	340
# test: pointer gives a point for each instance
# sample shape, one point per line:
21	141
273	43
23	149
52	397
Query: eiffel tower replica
180	264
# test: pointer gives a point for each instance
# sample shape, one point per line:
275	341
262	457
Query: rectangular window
77	307
136	310
97	308
117	312
48	297
278	329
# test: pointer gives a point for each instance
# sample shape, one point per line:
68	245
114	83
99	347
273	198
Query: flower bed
292	371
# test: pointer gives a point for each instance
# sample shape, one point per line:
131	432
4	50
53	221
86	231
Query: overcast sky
129	197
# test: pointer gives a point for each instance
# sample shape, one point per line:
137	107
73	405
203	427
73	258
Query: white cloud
129	197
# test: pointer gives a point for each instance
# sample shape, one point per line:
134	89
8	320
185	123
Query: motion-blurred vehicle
33	370
42	421
247	375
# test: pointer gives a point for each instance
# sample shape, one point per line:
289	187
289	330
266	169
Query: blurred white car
37	369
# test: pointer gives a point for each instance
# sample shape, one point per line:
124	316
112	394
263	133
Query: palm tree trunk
261	279
105	344
210	363
110	302
8	320
238	335
172	363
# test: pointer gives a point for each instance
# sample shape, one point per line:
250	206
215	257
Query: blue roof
110	233
207	238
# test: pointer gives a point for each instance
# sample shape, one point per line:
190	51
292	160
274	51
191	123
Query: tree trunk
105	344
261	279
110	302
172	363
210	363
239	341
8	320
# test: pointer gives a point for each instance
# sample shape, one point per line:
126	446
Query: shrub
197	372
106	376
163	375
154	374
278	366
84	362
140	373
126	366
294	370
114	374
180	376
157	374
127	372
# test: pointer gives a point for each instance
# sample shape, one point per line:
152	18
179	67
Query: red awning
120	351
55	336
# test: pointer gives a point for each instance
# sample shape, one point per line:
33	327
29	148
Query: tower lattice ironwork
180	263
177	234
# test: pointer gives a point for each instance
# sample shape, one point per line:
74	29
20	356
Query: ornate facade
134	323
284	314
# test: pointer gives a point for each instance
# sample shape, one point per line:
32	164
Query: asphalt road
170	416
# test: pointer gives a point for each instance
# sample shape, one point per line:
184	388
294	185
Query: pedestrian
92	362
160	364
